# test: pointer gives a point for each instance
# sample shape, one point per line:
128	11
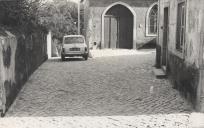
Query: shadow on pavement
66	59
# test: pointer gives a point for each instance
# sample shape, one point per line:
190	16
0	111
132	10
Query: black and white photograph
101	63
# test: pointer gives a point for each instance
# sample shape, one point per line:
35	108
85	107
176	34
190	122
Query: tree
22	14
60	17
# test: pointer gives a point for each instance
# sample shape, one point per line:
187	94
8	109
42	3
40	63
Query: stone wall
185	68
185	78
20	56
136	3
86	18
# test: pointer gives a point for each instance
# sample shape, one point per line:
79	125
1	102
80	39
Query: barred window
180	30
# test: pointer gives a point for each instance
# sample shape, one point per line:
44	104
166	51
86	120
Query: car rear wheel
85	57
2	114
63	58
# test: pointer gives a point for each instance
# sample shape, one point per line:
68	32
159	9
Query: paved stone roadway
119	91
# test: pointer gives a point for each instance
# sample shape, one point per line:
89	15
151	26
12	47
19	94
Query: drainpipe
79	17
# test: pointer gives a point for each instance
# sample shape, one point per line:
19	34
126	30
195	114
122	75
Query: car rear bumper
74	54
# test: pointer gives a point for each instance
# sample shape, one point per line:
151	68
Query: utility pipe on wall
79	17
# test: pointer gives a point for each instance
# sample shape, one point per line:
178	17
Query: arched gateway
119	26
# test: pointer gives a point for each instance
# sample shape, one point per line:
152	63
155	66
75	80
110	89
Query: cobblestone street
117	91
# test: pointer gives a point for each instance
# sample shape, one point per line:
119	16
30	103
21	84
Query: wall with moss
20	56
185	68
185	78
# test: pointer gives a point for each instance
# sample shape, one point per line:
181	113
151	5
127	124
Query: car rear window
73	40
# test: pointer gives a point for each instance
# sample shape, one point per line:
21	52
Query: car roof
74	36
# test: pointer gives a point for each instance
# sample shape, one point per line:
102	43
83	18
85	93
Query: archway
119	26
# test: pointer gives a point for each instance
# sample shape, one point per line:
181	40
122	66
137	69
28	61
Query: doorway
118	28
165	38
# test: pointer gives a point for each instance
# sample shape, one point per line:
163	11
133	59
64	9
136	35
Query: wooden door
165	37
106	32
111	32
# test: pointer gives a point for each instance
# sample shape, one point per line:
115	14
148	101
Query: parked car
74	45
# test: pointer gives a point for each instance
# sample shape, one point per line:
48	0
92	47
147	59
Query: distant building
180	48
127	24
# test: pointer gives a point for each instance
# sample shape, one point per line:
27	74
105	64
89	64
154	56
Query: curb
197	120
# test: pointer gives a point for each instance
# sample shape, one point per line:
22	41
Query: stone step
164	68
159	73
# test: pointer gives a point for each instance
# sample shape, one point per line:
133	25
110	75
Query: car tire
63	58
2	114
85	57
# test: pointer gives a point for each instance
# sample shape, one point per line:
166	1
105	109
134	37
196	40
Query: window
73	40
151	25
180	30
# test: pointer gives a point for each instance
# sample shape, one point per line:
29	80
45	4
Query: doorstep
196	120
159	73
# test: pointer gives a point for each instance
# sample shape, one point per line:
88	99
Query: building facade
180	50
126	24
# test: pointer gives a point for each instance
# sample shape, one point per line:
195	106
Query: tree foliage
60	17
22	14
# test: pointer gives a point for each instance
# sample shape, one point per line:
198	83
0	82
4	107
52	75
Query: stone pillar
49	45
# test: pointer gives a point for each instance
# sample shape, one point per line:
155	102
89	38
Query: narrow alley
101	63
118	86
